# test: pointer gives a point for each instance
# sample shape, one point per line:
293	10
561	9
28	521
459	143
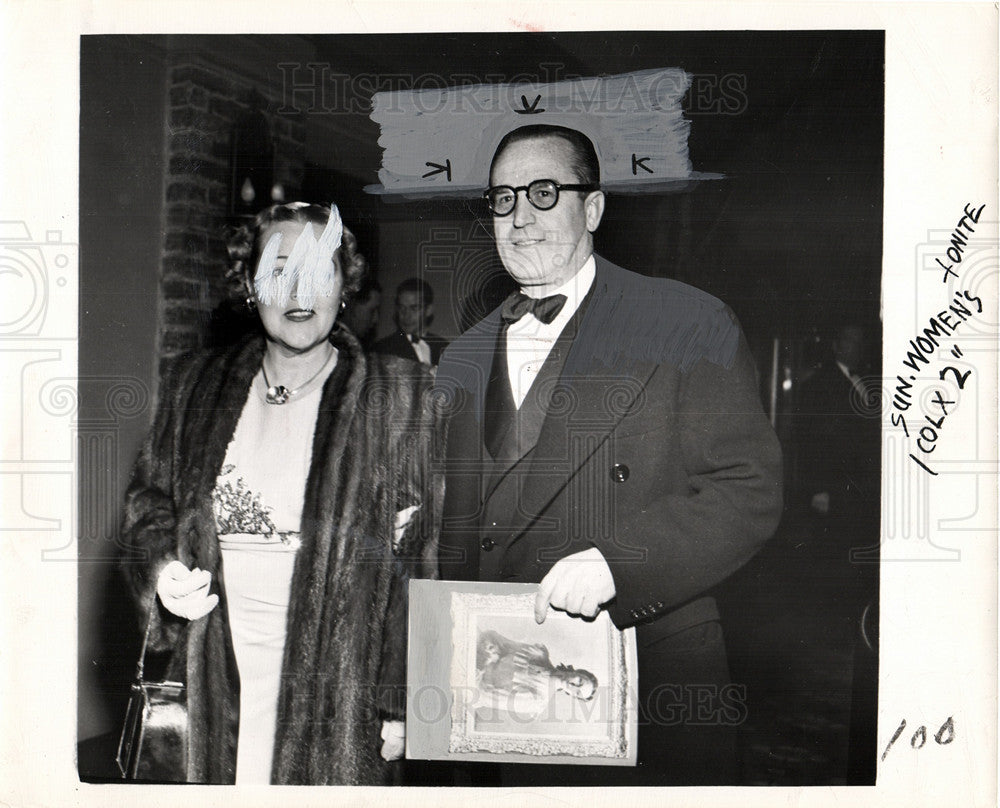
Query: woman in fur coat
275	513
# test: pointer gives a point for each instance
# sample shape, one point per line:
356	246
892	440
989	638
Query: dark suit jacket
398	345
655	450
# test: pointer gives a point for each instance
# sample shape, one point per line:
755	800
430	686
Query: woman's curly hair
244	248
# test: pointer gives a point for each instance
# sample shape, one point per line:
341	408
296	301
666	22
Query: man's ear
594	208
428	315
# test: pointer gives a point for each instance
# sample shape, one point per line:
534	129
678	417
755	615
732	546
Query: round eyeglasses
542	194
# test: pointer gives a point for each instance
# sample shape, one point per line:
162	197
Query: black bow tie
545	309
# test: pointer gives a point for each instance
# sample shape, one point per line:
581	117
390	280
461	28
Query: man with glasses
606	440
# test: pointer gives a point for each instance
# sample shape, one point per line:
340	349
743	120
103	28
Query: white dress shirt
856	381
421	348
529	340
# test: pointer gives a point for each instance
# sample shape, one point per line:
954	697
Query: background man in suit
606	440
839	469
838	424
414	313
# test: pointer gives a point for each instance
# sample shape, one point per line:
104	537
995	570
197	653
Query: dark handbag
154	741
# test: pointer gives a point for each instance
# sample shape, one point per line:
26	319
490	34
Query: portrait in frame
487	682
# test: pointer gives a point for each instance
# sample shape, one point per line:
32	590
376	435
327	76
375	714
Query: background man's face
543	247
410	312
849	346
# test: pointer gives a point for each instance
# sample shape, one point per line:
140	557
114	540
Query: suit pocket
691	640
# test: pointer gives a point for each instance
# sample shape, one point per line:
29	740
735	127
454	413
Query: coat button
487	544
619	472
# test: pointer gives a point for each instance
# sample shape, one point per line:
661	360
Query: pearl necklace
279	394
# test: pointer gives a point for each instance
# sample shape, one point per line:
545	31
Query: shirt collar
575	288
844	369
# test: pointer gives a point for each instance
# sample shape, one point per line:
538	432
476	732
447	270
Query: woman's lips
299	315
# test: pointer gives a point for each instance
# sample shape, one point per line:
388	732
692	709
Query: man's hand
393	740
578	584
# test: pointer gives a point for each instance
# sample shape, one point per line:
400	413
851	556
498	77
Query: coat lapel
589	401
530	418
214	409
460	387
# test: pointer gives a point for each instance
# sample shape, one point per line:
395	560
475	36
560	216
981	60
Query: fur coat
345	650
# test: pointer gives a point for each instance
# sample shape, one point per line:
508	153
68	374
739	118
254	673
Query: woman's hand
184	592
393	740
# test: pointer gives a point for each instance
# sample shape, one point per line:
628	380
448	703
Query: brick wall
205	102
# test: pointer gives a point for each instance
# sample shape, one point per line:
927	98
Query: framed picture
486	682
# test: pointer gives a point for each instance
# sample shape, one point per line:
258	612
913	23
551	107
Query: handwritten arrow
640	163
438	168
530	109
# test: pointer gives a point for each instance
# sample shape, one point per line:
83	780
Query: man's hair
369	286
418	285
584	163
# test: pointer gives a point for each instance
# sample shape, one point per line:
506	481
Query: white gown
257	503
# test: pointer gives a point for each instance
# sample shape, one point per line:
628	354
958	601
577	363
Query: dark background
790	238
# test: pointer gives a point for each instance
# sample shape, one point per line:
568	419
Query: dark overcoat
649	444
345	651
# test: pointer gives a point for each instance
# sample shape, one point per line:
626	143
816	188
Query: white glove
184	592
393	739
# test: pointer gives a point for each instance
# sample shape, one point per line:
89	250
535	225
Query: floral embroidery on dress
237	509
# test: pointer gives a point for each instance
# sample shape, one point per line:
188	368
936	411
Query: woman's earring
251	303
343	305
